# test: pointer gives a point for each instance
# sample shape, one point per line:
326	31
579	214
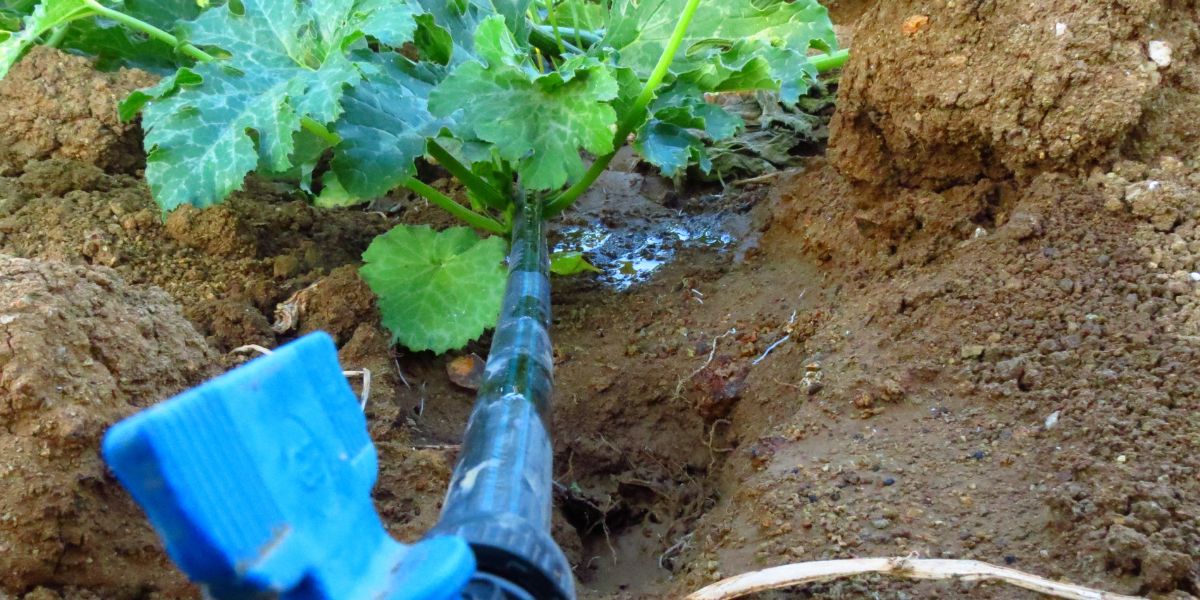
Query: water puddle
631	252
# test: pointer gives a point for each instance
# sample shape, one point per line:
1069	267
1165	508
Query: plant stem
482	189
320	131
831	61
554	24
57	35
583	37
148	29
448	204
634	117
542	38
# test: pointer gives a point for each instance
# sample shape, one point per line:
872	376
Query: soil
55	105
970	331
82	349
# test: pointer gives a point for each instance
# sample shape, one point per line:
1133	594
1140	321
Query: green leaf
164	14
581	14
730	45
383	131
538	122
671	148
334	194
114	46
287	63
44	17
436	290
128	108
570	263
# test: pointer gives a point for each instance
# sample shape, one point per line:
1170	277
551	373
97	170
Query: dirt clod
55	105
81	349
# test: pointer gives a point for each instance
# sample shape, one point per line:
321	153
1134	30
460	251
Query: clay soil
971	329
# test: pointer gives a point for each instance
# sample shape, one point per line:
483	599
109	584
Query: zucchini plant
512	97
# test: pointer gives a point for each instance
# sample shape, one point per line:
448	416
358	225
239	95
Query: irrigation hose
501	492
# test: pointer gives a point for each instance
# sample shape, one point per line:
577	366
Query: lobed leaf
436	290
730	45
537	121
287	63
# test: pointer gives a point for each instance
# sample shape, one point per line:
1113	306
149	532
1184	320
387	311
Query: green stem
828	62
148	29
542	38
583	37
482	189
634	117
448	204
575	19
57	35
320	131
554	24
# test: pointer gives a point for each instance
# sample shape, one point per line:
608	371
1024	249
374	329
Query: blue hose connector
259	484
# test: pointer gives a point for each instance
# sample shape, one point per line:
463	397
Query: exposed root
711	354
912	568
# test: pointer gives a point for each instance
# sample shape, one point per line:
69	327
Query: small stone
1011	369
1160	53
971	352
1066	285
466	371
889	481
1022	226
286	265
881	523
1052	420
978	454
914	24
1194	276
1010	559
1103	260
1121	459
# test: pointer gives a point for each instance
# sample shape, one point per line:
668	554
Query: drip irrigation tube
501	491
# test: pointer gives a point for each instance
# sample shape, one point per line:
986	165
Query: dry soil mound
55	105
81	349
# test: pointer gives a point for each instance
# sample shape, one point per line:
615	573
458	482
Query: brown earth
54	105
988	312
82	349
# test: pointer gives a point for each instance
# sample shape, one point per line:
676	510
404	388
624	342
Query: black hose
501	491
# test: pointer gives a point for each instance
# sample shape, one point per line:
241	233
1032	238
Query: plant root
711	354
912	568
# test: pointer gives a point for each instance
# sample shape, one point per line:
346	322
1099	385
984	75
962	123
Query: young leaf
537	121
570	263
437	290
671	148
732	44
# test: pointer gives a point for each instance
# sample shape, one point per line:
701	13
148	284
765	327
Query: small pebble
1194	276
887	481
979	454
1010	559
